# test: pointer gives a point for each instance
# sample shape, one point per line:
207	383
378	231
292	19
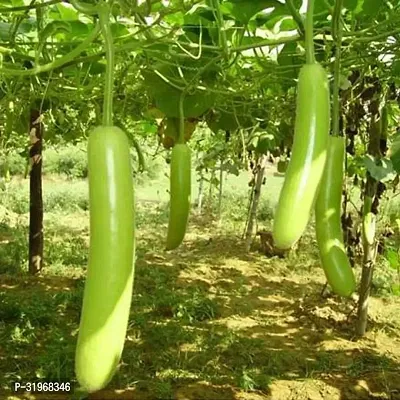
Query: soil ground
208	322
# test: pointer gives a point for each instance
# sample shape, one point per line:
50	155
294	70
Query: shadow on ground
207	322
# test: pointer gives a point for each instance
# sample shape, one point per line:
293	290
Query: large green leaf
372	7
275	16
396	68
351	4
63	12
322	5
78	29
25	27
244	10
166	97
366	7
227	121
266	142
381	172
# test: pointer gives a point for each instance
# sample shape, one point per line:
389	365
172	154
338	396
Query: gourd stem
104	17
337	29
310	57
181	132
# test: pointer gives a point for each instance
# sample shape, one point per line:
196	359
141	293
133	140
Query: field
208	321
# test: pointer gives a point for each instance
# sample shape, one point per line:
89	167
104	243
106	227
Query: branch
6	10
56	63
296	16
337	36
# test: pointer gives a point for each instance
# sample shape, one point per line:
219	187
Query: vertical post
256	197
368	246
201	191
36	197
221	177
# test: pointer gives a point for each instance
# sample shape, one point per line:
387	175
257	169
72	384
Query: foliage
69	160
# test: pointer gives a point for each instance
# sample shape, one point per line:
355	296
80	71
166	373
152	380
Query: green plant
12	162
66	196
162	390
65	250
13	252
197	308
66	159
56	364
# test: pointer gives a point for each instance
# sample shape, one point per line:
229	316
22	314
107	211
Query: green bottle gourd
180	188
308	157
108	288
328	227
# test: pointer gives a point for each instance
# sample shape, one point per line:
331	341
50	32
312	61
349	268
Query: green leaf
231	169
355	166
351	4
90	68
166	97
275	16
372	7
148	127
321	6
392	257
396	289
394	152
14	3
288	57
227	121
78	29
396	68
175	19
366	7
383	172
23	28
244	10
64	13
265	143
344	83
5	31
287	24
119	30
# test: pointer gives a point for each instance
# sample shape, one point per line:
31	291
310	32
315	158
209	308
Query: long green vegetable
309	149
180	184
108	287
328	227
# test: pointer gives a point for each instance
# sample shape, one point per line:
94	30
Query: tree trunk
210	188
36	199
369	246
221	177
249	203
201	192
254	204
368	264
